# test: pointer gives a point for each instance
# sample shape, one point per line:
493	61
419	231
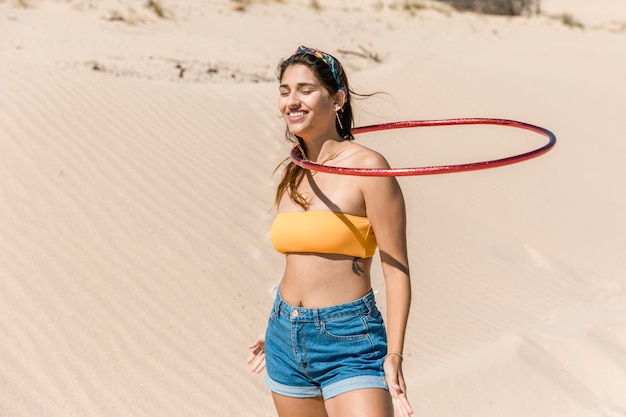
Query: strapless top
323	232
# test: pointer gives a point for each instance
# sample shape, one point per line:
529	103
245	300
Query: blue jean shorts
325	351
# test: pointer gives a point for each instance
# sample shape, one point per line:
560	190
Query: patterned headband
335	67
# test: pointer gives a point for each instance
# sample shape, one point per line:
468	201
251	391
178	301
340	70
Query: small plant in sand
157	7
363	53
570	21
130	17
412	6
242	5
315	5
498	7
115	16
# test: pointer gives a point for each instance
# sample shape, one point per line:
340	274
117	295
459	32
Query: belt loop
316	319
370	302
277	303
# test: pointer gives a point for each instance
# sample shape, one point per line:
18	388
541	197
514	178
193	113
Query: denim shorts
325	351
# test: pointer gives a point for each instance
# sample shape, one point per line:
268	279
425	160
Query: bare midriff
319	280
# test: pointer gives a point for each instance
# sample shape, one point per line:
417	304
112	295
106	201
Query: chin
297	131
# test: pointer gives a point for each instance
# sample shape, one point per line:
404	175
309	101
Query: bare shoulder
360	156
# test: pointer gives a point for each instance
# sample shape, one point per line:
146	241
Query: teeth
297	114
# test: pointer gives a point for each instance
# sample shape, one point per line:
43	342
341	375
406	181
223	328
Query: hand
256	360
397	387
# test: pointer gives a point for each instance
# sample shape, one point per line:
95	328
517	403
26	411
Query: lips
296	116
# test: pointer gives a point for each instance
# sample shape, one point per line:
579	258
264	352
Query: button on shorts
325	351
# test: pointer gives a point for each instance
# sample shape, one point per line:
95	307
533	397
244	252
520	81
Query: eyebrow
299	85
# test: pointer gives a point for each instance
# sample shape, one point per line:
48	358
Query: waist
367	303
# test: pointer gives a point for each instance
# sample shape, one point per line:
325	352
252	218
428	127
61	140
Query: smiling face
305	104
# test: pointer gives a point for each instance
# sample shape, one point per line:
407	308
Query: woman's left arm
384	204
386	212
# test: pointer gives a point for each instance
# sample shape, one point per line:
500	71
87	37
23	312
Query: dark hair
293	174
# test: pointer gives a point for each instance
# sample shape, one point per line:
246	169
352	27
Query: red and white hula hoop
441	169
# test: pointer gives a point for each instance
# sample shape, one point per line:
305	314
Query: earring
339	120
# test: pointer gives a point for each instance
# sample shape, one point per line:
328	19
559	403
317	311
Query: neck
319	149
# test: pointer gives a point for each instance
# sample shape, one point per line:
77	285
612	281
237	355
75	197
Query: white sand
135	262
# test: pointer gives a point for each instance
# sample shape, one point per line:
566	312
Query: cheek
282	102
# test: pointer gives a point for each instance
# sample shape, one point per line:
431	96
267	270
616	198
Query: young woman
326	349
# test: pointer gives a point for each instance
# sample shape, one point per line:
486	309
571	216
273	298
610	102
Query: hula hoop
441	169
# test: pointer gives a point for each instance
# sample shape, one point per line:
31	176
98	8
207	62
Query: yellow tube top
323	232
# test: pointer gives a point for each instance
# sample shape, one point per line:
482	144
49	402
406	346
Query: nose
293	99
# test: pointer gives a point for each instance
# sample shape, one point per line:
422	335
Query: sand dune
135	263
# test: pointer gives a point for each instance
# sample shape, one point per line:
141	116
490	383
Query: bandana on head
335	67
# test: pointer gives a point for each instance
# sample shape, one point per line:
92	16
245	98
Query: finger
404	402
256	352
402	382
400	402
401	388
399	410
257	361
256	349
259	365
394	387
255	344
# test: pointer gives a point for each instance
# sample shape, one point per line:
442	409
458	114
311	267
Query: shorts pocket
346	328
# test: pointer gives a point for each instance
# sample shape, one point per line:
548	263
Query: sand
136	159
